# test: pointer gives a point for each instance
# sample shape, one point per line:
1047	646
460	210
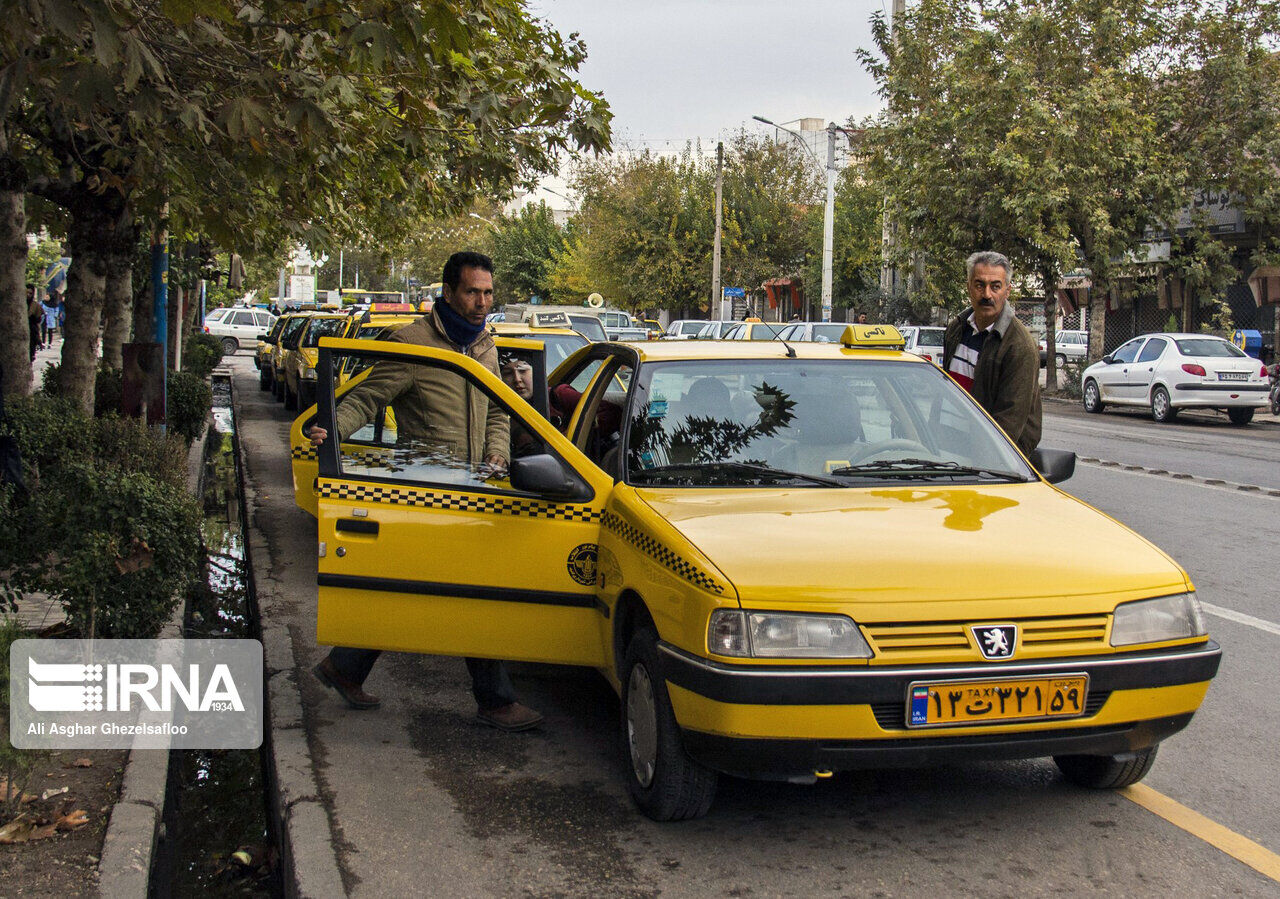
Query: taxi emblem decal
996	641
582	564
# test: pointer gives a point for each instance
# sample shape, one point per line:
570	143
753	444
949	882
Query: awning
1264	283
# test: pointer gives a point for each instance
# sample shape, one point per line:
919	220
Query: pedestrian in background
50	309
35	317
991	354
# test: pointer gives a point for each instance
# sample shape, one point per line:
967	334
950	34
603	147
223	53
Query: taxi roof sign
391	307
881	337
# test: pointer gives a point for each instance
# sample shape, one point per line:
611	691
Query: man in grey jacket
988	352
447	413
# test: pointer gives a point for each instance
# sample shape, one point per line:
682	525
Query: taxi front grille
953	640
893	715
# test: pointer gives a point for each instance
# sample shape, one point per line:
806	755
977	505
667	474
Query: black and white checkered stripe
371	493
305	452
661	554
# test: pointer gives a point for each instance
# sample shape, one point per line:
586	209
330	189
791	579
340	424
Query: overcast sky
676	70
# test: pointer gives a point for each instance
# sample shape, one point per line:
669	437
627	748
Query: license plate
1233	376
960	702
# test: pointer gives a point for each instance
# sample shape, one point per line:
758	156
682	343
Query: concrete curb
136	825
309	860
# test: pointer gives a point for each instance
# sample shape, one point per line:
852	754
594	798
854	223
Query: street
421	801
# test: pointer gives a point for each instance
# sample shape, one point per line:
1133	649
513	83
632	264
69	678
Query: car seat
826	429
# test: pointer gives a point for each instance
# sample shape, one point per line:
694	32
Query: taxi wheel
1092	398
1106	772
264	379
290	398
1161	408
662	779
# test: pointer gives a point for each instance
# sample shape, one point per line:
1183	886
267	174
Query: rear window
931	336
1207	346
324	327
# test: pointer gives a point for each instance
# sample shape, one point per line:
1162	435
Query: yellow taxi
299	360
787	560
561	341
262	353
286	339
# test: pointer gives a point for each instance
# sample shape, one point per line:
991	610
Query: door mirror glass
544	475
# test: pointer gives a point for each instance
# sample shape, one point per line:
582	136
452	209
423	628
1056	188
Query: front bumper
787	722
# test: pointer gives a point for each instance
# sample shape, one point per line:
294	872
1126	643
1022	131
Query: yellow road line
1241	848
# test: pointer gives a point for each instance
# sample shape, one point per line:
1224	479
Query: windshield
854	422
324	327
289	334
589	327
828	332
1206	346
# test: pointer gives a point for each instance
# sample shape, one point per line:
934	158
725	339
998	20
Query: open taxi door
422	549
348	371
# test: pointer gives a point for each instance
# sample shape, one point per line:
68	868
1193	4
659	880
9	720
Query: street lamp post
829	212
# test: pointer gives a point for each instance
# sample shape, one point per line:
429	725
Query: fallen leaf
29	797
16	831
72	820
81	763
41	833
54	791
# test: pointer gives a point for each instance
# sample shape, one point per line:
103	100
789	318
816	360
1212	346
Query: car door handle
357	526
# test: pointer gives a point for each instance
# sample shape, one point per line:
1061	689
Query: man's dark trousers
490	683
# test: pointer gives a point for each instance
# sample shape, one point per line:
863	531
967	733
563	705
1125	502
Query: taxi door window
420	421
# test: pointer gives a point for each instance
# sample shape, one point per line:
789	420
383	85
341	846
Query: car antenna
791	353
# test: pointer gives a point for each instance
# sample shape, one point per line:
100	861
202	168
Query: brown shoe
352	692
511	717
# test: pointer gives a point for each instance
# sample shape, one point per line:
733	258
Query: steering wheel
898	446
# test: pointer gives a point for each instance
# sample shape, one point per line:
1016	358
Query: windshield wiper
923	468
716	471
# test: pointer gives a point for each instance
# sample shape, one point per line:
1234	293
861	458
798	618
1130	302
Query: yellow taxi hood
1009	549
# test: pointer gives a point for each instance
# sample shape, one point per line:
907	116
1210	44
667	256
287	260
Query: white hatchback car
685	328
1070	346
1169	372
238	326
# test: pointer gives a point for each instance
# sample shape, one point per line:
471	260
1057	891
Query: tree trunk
15	335
175	324
118	315
86	290
1050	329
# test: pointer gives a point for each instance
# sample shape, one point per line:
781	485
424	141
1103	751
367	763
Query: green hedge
108	529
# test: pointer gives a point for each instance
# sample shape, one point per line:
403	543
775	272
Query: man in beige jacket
448	414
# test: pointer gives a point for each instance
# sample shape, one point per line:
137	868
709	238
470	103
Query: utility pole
160	310
716	296
828	222
890	274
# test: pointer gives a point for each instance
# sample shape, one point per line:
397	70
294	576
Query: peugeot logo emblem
996	641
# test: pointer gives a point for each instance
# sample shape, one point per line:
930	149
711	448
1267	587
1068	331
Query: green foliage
108	388
110	530
525	249
187	404
17	766
39	256
201	354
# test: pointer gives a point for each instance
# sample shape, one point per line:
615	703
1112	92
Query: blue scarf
457	328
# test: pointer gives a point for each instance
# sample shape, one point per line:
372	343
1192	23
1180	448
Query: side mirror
544	475
1054	465
265	338
1109	359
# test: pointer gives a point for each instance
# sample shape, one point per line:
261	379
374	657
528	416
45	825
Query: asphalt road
423	802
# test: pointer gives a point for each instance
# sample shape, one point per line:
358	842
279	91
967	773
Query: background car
1067	346
262	355
1169	372
817	332
924	341
756	330
716	330
685	328
286	340
237	326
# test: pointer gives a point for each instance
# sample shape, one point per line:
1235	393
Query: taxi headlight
785	635
308	372
1153	620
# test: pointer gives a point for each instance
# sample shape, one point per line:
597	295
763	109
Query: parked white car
924	341
1177	371
685	328
815	332
1068	346
717	330
238	326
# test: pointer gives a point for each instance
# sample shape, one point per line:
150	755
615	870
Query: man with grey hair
989	353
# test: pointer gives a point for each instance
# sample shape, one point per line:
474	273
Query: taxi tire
264	379
290	399
1106	772
680	788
